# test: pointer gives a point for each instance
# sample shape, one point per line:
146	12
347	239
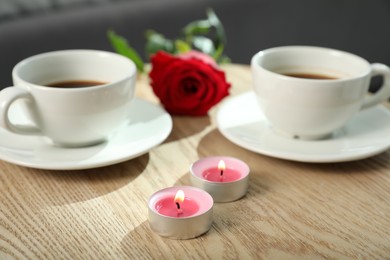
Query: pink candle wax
168	207
224	178
228	175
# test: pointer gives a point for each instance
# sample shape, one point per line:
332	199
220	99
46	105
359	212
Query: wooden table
292	210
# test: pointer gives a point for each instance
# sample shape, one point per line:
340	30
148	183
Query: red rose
188	84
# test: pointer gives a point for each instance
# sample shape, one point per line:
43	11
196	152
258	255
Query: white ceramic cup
314	108
70	116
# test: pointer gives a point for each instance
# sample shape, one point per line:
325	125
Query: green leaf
207	36
157	42
204	44
182	46
220	31
218	53
197	27
121	46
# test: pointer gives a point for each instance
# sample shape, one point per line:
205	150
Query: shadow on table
63	187
215	144
185	126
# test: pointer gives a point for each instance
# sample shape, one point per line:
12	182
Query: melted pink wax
228	175
168	207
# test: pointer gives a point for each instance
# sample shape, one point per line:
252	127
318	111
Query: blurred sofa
28	27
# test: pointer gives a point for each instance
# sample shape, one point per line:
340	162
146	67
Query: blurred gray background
29	27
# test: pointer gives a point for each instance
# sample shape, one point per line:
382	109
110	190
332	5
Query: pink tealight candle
180	212
225	178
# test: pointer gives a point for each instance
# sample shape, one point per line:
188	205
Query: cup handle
384	92
7	97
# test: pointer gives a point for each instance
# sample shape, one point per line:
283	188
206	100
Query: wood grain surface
292	210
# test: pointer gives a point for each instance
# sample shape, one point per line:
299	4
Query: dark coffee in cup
308	75
75	84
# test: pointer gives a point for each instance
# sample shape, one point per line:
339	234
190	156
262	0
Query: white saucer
241	121
149	126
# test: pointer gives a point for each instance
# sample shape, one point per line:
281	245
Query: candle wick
179	210
221	172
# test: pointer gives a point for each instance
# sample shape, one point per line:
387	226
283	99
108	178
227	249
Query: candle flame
221	165
179	196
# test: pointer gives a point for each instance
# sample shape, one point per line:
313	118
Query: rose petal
187	85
